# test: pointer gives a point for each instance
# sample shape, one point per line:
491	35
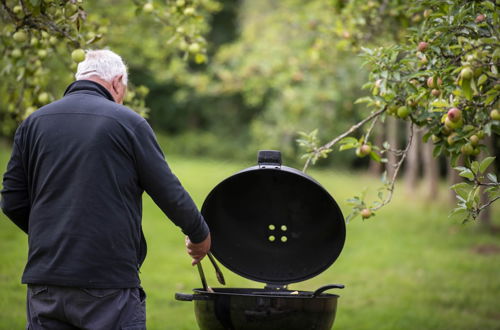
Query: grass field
410	267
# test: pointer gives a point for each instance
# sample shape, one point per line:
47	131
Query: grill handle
269	159
190	297
327	287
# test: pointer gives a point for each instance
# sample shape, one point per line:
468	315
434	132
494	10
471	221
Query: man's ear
116	83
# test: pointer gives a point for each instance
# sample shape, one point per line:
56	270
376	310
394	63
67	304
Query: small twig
370	129
396	170
343	135
9	11
352	129
489	184
482	207
40	24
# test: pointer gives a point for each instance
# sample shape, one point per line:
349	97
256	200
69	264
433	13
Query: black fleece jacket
74	183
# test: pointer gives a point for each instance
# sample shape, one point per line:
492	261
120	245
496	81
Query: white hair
102	63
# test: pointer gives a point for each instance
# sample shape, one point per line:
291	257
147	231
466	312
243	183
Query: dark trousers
64	308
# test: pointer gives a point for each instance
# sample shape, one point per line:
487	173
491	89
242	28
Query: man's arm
163	186
15	199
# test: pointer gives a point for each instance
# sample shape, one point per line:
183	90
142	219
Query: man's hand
198	250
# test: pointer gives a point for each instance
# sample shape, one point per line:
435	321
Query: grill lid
274	224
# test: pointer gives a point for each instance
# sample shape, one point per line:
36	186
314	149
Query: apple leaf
475	167
349	140
466	88
438	149
459	211
375	156
454	159
467	174
348	146
482	79
485	163
492	177
462	189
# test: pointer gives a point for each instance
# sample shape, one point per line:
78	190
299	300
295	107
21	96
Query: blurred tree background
220	79
224	78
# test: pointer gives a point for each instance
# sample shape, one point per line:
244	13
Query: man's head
107	68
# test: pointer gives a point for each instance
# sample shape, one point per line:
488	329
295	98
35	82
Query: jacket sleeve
164	187
15	198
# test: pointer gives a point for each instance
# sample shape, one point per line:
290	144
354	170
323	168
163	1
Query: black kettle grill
272	224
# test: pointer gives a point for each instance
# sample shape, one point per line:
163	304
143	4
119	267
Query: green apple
451	138
43	98
78	55
42	53
452	124
467	149
189	11
495	114
194	48
148	7
466	73
17	9
403	112
474	140
16	53
20	36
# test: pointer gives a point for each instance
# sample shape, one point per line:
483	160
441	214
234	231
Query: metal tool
218	272
203	279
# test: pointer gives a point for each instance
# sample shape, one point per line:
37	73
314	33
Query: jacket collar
89	87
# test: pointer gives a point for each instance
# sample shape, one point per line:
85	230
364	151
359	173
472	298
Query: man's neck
104	83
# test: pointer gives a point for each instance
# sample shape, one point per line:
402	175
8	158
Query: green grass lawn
410	267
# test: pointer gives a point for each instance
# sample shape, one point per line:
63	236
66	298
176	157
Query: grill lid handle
269	158
327	287
191	297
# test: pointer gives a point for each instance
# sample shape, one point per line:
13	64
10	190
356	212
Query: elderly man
74	184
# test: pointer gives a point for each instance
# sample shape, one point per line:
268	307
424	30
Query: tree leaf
438	149
440	104
375	156
466	88
426	136
365	99
459	211
492	177
454	159
348	146
485	163
349	139
489	5
467	174
482	79
462	189
475	167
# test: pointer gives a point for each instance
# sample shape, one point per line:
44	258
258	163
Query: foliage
384	266
290	74
444	79
38	36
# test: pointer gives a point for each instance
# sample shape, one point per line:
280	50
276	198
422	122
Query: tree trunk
431	171
413	162
392	138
